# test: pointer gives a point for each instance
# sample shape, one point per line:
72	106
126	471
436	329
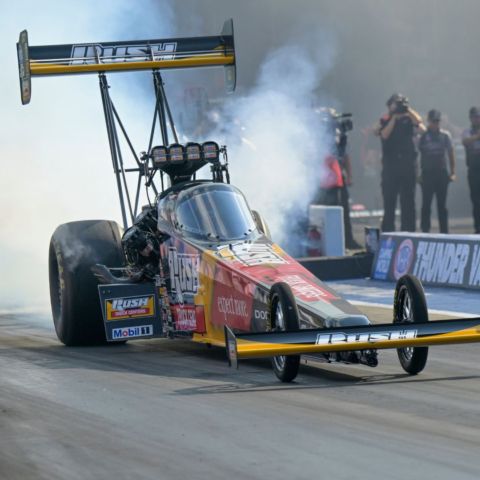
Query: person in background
471	142
337	175
435	147
397	130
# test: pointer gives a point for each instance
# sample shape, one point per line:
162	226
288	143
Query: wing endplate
24	68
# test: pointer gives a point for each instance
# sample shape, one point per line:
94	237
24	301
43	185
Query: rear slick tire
284	315
74	248
410	306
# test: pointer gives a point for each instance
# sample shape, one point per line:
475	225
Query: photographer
338	169
397	130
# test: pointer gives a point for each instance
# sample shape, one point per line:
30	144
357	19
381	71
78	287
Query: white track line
439	312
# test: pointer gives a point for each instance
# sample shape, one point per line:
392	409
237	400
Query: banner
436	259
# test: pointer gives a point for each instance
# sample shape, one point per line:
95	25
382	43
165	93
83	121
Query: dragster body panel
230	284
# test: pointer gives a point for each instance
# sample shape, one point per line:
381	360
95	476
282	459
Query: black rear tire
410	306
74	248
284	315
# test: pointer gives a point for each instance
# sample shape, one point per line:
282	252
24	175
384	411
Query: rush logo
184	268
343	338
97	53
130	307
124	303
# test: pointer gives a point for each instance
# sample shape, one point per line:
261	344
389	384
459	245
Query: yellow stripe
204	60
248	349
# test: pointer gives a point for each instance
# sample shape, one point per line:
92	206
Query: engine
141	244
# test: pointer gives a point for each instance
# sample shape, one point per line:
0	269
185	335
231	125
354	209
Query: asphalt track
174	410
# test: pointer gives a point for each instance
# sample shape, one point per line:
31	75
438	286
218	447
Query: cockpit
213	212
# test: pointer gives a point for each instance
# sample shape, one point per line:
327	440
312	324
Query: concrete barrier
339	268
329	222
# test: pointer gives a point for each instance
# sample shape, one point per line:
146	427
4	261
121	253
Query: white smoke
276	140
55	161
54	152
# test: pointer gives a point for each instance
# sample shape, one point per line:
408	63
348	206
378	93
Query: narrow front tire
410	306
284	315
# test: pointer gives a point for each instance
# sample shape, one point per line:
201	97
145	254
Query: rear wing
73	59
364	337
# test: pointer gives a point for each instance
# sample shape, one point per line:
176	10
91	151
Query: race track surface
174	410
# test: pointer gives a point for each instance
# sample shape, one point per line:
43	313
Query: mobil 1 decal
184	275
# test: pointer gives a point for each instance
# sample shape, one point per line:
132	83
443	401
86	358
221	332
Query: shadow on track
162	358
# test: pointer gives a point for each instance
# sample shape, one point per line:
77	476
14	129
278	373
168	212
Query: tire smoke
276	141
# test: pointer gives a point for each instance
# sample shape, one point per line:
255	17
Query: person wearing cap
471	142
397	130
435	147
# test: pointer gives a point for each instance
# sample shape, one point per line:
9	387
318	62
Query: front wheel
284	315
410	306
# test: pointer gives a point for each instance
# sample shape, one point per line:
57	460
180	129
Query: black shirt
400	142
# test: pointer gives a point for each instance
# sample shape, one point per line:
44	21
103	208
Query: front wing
363	337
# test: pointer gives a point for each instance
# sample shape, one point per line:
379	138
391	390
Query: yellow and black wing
153	54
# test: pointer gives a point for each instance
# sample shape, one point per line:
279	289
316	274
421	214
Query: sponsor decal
385	254
132	332
185	317
232	351
232	306
403	258
443	261
307	291
257	254
474	277
98	53
184	270
344	338
130	307
232	299
440	262
261	314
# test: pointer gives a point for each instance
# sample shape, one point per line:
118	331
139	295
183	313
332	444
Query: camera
401	105
344	122
335	121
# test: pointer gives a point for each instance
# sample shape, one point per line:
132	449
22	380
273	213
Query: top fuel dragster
197	262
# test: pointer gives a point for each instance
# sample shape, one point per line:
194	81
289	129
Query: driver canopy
214	212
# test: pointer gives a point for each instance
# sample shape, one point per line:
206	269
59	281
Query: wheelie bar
364	337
